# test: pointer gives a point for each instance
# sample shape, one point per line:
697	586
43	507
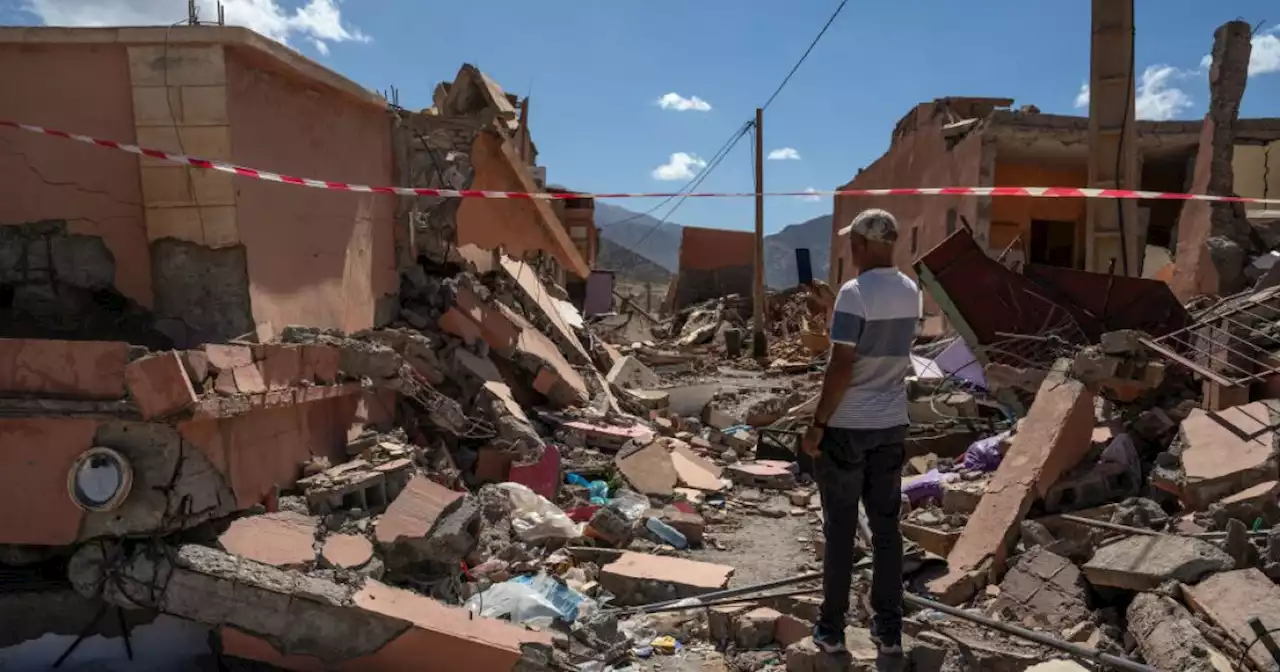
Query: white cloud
784	154
1265	57
813	197
1158	96
674	101
1082	97
318	22
682	166
1158	99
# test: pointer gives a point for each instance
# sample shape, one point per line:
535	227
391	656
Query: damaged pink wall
82	88
918	159
38	454
315	257
265	449
520	227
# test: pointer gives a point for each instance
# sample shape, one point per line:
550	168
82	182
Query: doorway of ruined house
1053	243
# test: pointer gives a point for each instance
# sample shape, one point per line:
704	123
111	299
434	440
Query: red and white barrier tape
1031	192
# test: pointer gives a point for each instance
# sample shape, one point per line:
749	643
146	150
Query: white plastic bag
537	519
520	600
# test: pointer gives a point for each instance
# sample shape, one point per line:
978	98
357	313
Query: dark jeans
862	465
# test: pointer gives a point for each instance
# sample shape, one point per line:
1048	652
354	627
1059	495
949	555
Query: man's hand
809	443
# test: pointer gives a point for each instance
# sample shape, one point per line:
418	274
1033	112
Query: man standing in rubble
859	429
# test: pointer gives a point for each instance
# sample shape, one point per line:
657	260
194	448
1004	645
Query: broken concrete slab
649	469
762	475
639	578
1054	436
693	470
427	522
609	438
284	539
346	551
1044	590
159	385
1227	451
630	373
301	622
1260	501
1168	638
1144	562
1228	600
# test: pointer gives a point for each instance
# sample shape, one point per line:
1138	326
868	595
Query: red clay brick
1054	437
159	385
456	322
281	365
495	328
249	379
227	357
320	363
196	362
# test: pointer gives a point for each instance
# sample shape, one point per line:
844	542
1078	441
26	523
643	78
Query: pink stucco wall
920	159
315	257
83	88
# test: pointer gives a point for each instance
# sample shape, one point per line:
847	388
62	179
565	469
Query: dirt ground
761	548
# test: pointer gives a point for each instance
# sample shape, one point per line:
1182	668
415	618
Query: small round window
100	479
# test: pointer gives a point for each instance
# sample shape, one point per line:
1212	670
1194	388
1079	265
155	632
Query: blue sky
596	70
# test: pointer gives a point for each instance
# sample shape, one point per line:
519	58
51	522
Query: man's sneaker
828	640
888	646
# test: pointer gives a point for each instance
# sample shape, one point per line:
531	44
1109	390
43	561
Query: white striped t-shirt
877	312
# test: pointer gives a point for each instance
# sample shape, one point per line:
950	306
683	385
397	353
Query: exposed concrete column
1113	140
1228	75
1213	238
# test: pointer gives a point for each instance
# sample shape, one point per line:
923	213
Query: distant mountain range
652	240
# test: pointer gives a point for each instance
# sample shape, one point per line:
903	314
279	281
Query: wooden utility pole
1113	143
759	346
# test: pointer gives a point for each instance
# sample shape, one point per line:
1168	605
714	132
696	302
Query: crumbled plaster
207	289
174	486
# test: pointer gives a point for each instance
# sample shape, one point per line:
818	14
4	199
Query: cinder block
172	65
204	106
156	106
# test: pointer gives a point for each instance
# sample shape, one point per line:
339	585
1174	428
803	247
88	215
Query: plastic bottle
666	533
598	491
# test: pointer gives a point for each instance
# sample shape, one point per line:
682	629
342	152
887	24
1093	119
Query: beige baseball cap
874	224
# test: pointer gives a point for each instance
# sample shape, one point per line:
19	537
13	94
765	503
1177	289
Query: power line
800	62
728	146
697	181
687	185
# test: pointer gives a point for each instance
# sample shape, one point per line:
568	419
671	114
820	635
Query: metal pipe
731	592
1066	647
733	600
1126	529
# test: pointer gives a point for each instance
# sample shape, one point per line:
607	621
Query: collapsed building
182	346
985	142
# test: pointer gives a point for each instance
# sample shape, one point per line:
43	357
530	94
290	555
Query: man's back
877	312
